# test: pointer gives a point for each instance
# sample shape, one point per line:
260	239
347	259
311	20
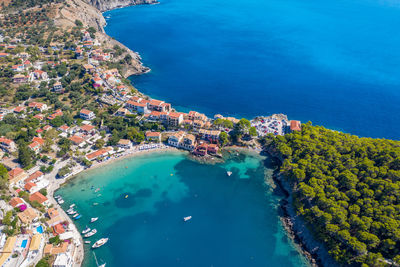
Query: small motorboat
91	233
72	212
229	173
187	218
87	230
100	242
103	265
72	205
95	204
60	201
126	196
88	242
97	190
94	219
78	217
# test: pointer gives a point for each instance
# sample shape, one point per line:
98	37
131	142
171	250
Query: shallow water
335	63
235	219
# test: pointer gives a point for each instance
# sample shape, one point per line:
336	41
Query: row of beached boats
59	199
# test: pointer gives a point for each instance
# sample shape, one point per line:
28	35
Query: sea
142	200
334	63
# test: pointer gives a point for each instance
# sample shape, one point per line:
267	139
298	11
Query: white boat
76	215
229	173
97	190
60	201
94	219
71	212
100	243
103	265
94	231
72	205
87	230
88	242
187	218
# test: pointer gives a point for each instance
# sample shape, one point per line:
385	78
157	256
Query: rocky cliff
104	5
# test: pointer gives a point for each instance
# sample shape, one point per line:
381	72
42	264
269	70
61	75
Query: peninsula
67	105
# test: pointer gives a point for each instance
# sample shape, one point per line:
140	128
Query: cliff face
104	5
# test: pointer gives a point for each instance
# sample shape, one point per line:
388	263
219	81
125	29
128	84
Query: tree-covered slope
347	189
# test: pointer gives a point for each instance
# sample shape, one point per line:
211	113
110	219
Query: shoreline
295	227
56	183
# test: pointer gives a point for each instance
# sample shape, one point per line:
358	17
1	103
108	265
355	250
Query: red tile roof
37	196
295	126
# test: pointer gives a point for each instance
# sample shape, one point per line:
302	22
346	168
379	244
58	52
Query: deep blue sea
335	63
143	199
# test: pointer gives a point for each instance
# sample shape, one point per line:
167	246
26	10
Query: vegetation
348	189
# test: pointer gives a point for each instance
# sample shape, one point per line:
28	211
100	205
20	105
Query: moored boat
78	217
100	243
72	205
88	242
94	231
94	219
87	230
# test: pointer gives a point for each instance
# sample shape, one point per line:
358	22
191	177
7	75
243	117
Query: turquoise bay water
336	63
235	219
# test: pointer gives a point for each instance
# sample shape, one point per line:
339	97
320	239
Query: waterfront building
212	149
189	142
175	118
153	136
175	139
211	135
295	126
124	143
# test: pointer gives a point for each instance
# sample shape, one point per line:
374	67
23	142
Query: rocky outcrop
104	5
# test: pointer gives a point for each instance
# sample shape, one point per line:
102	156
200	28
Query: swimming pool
39	229
24	242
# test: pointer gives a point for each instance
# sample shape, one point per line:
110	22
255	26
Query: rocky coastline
294	224
104	5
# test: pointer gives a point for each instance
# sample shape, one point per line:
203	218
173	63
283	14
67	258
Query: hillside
347	189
